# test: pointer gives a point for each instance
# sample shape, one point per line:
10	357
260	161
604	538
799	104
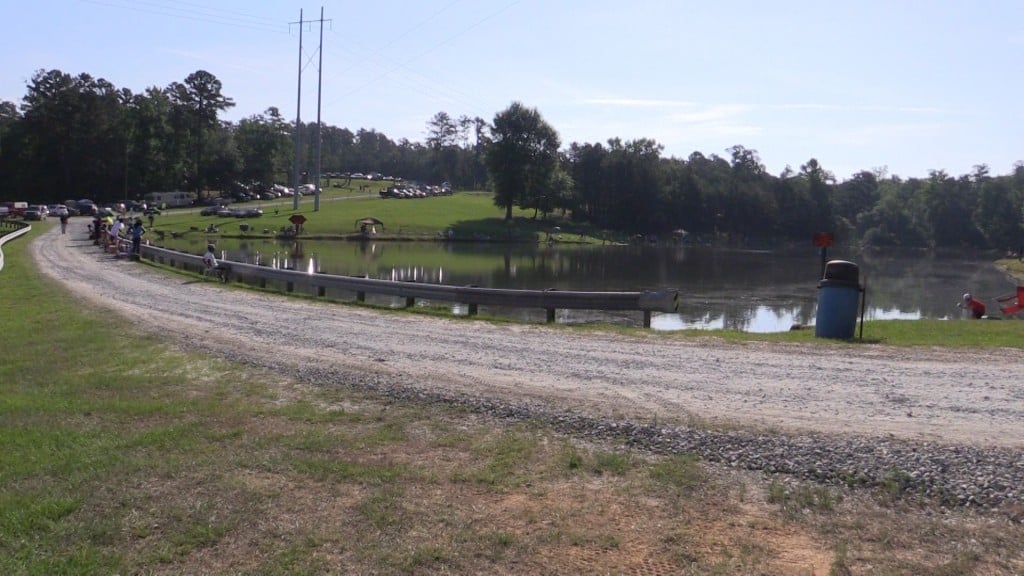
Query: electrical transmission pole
319	82
298	124
298	117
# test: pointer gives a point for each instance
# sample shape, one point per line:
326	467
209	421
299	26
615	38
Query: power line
207	15
394	66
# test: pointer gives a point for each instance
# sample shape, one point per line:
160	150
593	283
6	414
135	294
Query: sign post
298	220
823	240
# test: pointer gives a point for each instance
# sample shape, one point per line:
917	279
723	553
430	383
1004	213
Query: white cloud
712	114
862	109
638	102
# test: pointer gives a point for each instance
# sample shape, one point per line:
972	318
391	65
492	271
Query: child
212	266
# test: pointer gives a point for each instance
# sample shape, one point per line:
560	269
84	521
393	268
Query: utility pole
298	124
319	83
298	117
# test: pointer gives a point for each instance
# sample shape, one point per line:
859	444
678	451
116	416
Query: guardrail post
360	296
410	301
551	315
321	291
471	310
647	318
289	287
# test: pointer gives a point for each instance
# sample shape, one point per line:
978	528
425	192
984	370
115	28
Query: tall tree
522	156
200	100
443	135
74	135
263	143
158	155
11	134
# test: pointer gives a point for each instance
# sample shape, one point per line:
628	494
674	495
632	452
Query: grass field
124	455
467	214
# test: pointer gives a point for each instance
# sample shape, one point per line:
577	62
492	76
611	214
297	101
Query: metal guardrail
647	301
9	230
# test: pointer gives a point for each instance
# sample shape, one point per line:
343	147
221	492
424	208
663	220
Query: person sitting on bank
212	266
977	307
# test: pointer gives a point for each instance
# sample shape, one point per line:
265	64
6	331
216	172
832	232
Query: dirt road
915	394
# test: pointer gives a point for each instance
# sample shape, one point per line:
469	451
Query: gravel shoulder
930	395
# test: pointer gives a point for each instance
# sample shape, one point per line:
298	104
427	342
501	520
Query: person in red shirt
977	307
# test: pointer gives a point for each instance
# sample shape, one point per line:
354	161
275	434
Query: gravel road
924	394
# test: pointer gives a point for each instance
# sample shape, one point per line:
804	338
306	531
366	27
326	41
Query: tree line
79	136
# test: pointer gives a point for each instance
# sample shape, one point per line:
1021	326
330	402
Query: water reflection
753	291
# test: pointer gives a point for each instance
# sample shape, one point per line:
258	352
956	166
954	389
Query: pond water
746	290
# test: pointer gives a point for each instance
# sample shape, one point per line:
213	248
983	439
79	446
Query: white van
174	199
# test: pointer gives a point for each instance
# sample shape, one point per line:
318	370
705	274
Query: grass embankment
124	455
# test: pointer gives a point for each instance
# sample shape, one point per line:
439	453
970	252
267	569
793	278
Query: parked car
211	210
87	207
249	213
35	213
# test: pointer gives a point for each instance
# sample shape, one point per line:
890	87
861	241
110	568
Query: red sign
823	239
297	219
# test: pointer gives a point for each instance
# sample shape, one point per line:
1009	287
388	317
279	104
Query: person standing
136	233
114	232
63	222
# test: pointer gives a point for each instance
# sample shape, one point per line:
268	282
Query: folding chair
1013	303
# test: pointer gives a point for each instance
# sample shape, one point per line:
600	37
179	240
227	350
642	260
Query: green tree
856	195
948	208
522	156
199	100
890	222
11	136
998	210
263	146
631	169
73	136
157	159
442	138
585	162
819	184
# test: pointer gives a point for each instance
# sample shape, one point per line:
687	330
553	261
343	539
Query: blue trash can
838	299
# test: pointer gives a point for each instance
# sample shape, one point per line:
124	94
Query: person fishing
975	306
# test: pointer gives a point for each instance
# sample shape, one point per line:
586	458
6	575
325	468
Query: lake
746	290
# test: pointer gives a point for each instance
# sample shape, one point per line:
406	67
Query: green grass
469	214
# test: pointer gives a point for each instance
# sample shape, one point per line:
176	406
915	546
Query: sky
896	85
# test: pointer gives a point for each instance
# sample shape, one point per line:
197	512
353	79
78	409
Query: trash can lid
842	271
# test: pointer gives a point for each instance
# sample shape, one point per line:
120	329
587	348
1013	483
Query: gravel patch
935	423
